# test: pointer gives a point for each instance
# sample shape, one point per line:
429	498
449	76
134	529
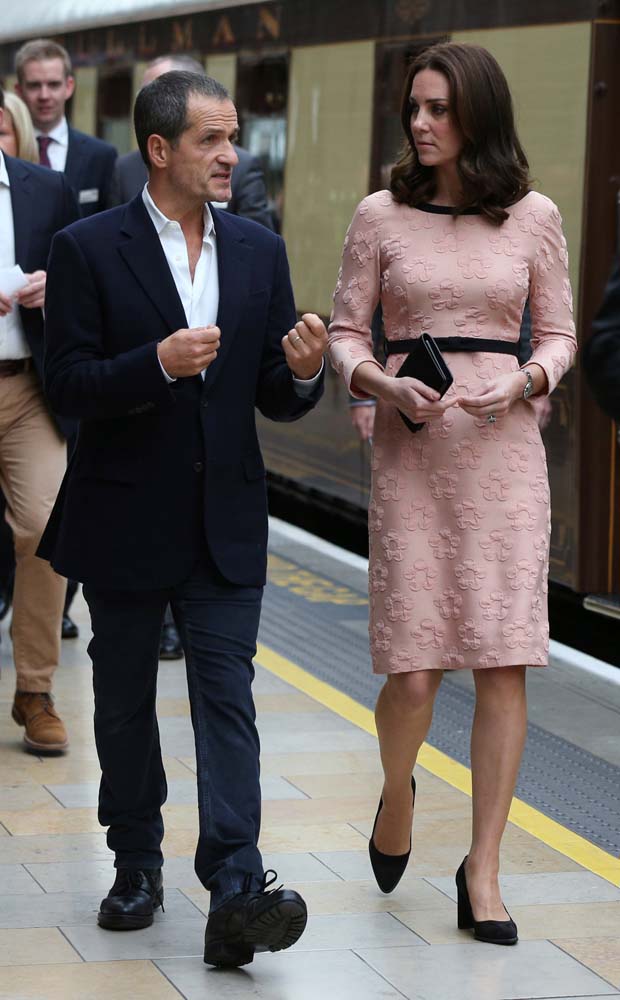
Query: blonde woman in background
16	131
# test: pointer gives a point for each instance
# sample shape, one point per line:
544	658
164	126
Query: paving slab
337	975
477	971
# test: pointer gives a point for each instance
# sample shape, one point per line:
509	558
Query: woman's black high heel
491	931
388	868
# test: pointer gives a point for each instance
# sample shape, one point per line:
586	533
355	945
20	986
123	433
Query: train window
391	65
114	107
262	94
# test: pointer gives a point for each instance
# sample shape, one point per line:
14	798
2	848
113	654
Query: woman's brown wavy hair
492	166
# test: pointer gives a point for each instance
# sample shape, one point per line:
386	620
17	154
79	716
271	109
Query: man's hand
305	346
188	352
6	304
363	419
32	296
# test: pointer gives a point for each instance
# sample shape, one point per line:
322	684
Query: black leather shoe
254	921
491	931
388	868
132	900
170	647
69	628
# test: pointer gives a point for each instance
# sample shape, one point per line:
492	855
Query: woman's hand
415	399
496	397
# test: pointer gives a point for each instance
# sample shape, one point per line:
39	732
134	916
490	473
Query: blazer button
198	466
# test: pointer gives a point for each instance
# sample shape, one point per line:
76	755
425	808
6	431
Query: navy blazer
601	354
42	203
89	169
159	468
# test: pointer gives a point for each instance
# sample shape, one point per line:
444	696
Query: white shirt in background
58	147
13	343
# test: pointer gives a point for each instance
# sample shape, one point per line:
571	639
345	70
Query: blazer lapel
234	266
21	202
145	257
73	161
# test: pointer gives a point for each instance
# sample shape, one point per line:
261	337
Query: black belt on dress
457	344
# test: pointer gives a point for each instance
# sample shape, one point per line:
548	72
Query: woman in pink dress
459	515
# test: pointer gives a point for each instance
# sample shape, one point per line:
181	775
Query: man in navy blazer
45	82
180	323
34	204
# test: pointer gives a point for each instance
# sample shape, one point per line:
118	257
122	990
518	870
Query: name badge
88	196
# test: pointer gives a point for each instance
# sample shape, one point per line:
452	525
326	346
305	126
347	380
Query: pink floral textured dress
459	518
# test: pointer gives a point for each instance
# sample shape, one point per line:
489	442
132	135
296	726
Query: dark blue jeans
218	623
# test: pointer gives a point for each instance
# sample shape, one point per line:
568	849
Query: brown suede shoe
45	731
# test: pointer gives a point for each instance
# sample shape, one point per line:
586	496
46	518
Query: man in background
34	204
248	199
45	82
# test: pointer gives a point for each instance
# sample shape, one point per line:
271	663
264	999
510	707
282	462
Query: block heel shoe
388	868
490	931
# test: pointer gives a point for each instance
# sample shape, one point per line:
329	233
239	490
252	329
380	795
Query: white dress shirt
13	343
58	147
200	298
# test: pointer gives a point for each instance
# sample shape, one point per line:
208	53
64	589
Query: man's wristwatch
529	385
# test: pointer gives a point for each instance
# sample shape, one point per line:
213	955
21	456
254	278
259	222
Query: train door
114	107
262	94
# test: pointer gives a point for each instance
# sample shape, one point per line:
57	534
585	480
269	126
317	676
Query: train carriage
317	86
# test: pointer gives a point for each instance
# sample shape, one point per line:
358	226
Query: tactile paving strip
566	783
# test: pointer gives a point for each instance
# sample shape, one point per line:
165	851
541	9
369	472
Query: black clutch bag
425	362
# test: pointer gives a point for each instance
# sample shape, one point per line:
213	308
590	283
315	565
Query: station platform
321	782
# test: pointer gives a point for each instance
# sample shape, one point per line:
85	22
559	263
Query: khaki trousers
33	458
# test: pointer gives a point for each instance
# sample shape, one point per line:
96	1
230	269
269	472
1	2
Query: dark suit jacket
159	468
601	354
42	203
89	168
249	197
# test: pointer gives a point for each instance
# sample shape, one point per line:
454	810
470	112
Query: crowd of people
167	320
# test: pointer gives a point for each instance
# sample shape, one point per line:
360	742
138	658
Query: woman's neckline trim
426	206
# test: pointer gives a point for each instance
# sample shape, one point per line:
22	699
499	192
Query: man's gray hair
179	61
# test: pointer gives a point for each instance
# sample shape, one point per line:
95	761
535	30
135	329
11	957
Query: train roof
39	18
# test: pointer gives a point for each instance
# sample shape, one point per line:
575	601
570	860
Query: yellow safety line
556	836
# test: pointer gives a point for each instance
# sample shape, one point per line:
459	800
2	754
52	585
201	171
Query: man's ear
159	151
70	86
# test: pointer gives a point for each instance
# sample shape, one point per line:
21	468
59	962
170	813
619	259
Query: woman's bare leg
497	740
403	715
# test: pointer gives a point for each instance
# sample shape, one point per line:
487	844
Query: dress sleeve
356	296
554	343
